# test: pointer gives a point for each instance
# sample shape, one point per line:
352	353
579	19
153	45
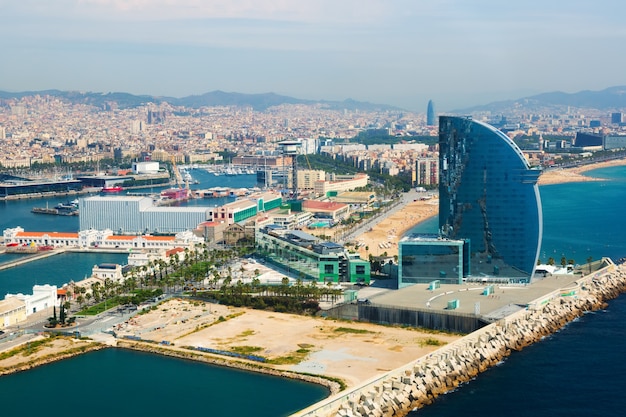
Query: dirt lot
351	351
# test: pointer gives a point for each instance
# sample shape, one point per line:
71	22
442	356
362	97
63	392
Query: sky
459	53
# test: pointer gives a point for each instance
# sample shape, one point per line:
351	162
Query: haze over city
401	53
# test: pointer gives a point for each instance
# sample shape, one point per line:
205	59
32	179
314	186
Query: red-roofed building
326	209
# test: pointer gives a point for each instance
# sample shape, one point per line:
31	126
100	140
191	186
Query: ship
114	189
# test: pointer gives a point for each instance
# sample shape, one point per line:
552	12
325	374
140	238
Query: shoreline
419	383
398	223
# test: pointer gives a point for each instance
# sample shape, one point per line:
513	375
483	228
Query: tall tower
291	148
430	114
488	194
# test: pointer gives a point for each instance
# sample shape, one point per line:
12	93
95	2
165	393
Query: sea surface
15	213
575	372
117	382
580	370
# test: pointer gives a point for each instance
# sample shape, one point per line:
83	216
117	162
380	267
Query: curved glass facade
488	194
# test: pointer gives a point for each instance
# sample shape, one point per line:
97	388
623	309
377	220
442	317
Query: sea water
579	371
575	372
117	382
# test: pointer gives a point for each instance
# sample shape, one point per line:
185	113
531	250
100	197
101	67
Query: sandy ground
384	236
354	355
559	176
32	355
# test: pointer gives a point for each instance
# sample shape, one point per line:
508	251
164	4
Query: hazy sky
399	52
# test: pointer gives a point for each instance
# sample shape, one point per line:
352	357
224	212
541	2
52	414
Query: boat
114	189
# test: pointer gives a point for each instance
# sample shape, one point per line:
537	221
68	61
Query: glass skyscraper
489	195
430	113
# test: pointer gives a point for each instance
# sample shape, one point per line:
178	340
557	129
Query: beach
382	238
576	174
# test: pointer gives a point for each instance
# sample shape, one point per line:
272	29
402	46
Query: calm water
54	270
119	382
580	370
18	213
576	372
115	382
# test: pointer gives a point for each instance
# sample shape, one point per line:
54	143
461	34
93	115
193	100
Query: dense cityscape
309	237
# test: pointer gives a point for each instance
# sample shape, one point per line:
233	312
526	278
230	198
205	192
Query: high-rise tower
430	114
488	195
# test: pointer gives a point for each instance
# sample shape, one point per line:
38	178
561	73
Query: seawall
418	383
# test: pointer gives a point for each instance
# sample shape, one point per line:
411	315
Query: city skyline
399	53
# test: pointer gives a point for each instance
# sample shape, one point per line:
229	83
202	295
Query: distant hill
258	102
611	98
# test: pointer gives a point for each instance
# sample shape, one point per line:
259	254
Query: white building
134	215
43	297
323	187
150	167
107	271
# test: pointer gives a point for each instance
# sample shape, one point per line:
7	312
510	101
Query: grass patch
431	342
246	350
293	359
351	330
221	319
246	333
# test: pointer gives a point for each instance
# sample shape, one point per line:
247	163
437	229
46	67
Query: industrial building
138	215
247	207
11	186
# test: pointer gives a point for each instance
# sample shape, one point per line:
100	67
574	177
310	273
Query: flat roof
116	198
322	205
506	299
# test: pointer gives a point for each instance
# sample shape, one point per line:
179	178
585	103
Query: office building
430	114
308	257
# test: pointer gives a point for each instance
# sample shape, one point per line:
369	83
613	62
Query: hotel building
490	218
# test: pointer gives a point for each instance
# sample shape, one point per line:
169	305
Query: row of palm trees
196	267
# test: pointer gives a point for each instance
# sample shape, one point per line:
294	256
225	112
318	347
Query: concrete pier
417	384
30	258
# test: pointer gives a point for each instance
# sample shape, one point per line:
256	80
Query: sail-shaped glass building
489	209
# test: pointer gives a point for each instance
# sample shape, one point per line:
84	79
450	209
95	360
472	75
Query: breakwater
200	356
419	383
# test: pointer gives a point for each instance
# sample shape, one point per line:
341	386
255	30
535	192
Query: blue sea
575	372
580	370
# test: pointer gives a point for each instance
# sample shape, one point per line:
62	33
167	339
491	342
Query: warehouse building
138	215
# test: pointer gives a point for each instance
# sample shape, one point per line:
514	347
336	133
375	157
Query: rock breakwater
418	384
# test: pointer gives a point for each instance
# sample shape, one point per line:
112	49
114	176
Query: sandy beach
383	237
564	175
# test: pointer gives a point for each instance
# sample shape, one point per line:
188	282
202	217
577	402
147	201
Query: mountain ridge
606	99
259	101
